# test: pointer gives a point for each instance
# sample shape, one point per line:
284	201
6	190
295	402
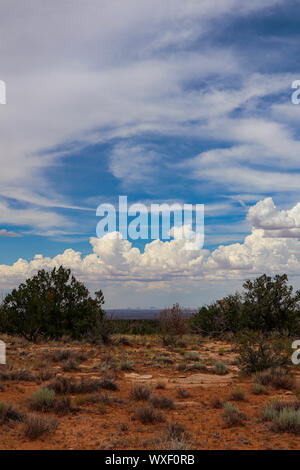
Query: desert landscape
137	393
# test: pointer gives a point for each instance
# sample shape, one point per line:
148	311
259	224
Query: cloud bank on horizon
162	265
189	101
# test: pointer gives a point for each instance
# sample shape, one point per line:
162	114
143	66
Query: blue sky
171	101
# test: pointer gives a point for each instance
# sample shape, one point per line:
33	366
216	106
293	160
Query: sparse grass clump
108	384
162	402
60	355
148	415
183	393
174	438
70	365
22	375
196	366
67	385
42	400
160	385
165	360
63	405
275	377
10	412
284	416
220	368
46	374
238	394
37	425
259	389
192	356
217	403
231	415
140	392
93	398
126	365
259	356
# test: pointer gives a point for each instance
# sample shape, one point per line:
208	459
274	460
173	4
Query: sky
163	102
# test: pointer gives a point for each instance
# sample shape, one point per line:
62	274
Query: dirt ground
184	374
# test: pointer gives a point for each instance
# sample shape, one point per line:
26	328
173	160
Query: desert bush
192	356
140	392
288	420
46	374
147	415
219	317
238	394
172	321
126	365
266	304
68	385
22	375
175	431
63	405
51	304
37	425
269	304
231	415
93	398
259	389
10	412
196	366
136	327
256	356
275	377
60	355
70	365
183	393
108	384
220	368
102	331
174	438
162	402
165	360
217	403
42	400
284	416
160	385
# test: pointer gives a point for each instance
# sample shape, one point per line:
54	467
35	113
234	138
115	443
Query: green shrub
126	365
232	415
259	389
284	416
140	392
219	317
10	412
52	304
220	368
68	385
288	420
37	425
276	377
42	400
162	402
147	415
172	321
238	394
267	304
256	356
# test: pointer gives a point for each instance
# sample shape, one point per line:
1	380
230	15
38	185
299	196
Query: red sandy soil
114	426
